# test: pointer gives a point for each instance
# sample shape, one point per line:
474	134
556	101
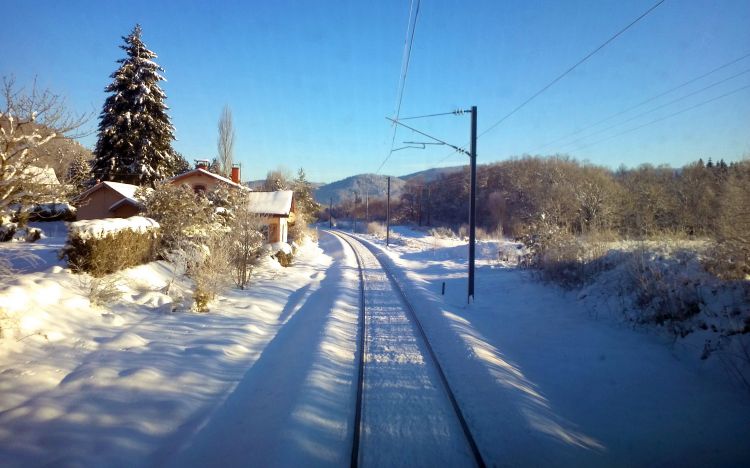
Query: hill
432	174
361	184
376	184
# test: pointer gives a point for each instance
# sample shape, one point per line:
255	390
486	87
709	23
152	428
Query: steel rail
350	240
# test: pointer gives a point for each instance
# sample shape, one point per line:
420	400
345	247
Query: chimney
236	173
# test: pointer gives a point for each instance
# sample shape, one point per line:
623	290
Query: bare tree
245	243
28	122
278	179
225	142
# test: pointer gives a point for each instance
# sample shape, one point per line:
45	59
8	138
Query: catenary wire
565	73
642	103
654	109
410	29
703	103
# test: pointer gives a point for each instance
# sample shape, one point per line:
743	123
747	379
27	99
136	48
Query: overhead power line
642	103
654	109
442	142
700	104
566	72
406	58
455	112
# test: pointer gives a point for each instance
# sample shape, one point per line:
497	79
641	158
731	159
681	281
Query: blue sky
311	82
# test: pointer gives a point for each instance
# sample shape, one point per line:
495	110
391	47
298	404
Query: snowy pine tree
303	194
135	133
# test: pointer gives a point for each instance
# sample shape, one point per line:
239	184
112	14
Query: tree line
531	195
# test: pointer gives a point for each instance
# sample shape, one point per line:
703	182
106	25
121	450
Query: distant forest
533	195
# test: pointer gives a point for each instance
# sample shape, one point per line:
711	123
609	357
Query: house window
199	189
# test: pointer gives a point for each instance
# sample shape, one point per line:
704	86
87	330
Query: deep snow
267	377
132	384
544	383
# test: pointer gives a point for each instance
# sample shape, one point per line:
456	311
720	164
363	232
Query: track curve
372	355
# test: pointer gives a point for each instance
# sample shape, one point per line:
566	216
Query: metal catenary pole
473	202
388	215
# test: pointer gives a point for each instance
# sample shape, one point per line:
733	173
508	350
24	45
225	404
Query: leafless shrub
8	324
246	242
663	296
210	271
441	232
102	290
376	229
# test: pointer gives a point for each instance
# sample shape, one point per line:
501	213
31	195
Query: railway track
405	404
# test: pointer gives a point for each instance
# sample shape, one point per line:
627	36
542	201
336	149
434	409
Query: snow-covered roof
271	203
41	175
129	201
126	190
209	174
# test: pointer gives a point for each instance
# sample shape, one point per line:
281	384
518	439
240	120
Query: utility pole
330	214
356	201
473	202
388	215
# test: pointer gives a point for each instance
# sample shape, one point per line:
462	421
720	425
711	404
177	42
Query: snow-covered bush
560	257
7	230
100	291
211	274
441	232
479	233
180	213
104	246
52	212
281	252
665	291
376	229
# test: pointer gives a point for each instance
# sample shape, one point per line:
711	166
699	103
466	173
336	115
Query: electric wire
654	109
408	43
703	103
565	73
642	103
456	148
455	112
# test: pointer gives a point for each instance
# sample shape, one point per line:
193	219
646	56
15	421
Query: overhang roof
271	203
126	190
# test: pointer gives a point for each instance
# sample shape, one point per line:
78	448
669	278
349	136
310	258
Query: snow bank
571	390
280	246
100	228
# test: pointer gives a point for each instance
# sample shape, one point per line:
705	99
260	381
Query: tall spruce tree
135	133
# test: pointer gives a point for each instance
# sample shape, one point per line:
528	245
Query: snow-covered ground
268	377
544	382
134	384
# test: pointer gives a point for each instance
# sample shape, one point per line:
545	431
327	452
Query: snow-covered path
407	418
131	384
295	406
